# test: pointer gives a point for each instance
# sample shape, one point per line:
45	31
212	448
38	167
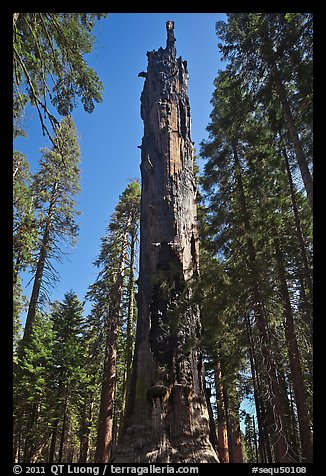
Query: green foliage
32	399
49	382
113	293
54	189
49	63
24	223
254	42
249	439
246	200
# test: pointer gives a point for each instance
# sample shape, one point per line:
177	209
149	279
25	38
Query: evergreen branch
38	102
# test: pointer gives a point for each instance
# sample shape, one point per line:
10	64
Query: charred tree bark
85	430
166	417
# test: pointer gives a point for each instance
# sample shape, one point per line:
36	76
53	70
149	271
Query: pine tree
107	294
250	439
54	188
273	52
247	191
90	393
31	397
68	375
223	339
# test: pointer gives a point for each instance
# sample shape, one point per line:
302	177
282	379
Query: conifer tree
247	192
250	439
118	245
55	187
68	375
273	53
90	392
32	399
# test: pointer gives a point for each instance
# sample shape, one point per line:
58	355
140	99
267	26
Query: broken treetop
165	104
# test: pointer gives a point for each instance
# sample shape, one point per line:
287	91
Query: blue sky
110	135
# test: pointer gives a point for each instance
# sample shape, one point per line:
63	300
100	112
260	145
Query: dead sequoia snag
167	419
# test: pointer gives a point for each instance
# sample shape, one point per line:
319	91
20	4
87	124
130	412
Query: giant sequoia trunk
167	419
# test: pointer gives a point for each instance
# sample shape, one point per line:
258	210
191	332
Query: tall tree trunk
18	452
306	267
260	411
237	443
228	424
222	431
167	417
266	420
284	393
294	415
85	431
40	266
84	442
30	423
63	429
53	442
18	249
306	275
297	146
105	428
267	423
130	324
18	432
212	427
294	447
294	357
255	439
258	307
